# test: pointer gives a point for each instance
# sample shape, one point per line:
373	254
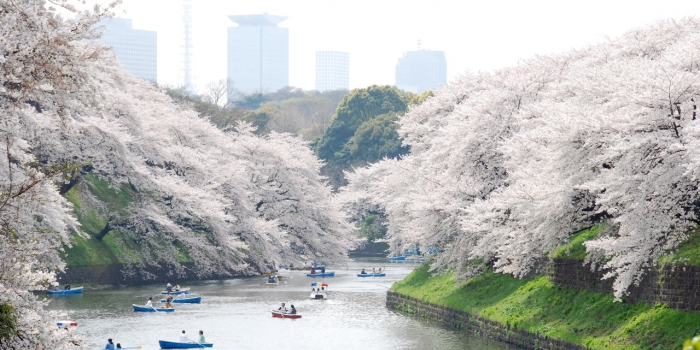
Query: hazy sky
475	35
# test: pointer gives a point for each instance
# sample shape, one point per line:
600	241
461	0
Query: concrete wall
475	324
676	286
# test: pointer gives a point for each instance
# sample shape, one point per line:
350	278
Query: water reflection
235	314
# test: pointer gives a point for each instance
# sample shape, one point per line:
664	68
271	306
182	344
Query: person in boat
67	287
169	288
313	293
168	299
54	287
373	270
293	311
313	270
149	303
119	346
177	287
184	339
271	280
182	296
380	270
323	269
283	309
201	337
110	345
363	272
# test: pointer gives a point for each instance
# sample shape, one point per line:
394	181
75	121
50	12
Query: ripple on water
236	314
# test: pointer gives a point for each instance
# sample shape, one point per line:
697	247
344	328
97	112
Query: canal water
235	314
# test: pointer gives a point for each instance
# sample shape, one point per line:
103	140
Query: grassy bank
96	204
538	306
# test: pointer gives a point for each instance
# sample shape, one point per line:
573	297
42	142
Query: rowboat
371	275
272	283
278	314
164	344
397	258
192	300
138	308
318	274
66	324
77	290
318	297
183	290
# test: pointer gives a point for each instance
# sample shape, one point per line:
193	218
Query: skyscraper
188	80
332	70
258	53
421	70
135	49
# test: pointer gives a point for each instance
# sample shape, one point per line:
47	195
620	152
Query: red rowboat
278	314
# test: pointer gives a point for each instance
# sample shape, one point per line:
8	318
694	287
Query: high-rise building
258	53
332	70
188	81
421	70
135	49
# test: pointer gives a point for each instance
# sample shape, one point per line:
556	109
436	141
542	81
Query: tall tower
258	54
188	80
332	70
421	70
135	49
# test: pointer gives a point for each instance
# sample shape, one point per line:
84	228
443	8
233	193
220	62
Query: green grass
575	248
538	306
87	251
688	253
115	247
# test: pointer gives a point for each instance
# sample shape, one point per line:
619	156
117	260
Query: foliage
373	140
165	185
371	228
688	252
225	117
356	108
692	344
538	306
8	322
505	166
576	249
45	76
307	115
251	101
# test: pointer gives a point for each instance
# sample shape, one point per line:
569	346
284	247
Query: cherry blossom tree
237	202
505	166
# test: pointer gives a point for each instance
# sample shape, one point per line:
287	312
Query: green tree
356	108
373	140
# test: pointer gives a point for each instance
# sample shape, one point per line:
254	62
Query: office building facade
418	71
135	49
258	54
332	70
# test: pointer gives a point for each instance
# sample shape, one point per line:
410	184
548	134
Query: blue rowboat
325	274
371	275
138	308
183	290
175	345
78	290
397	258
192	300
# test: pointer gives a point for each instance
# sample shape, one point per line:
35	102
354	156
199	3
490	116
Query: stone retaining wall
472	323
676	286
119	274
